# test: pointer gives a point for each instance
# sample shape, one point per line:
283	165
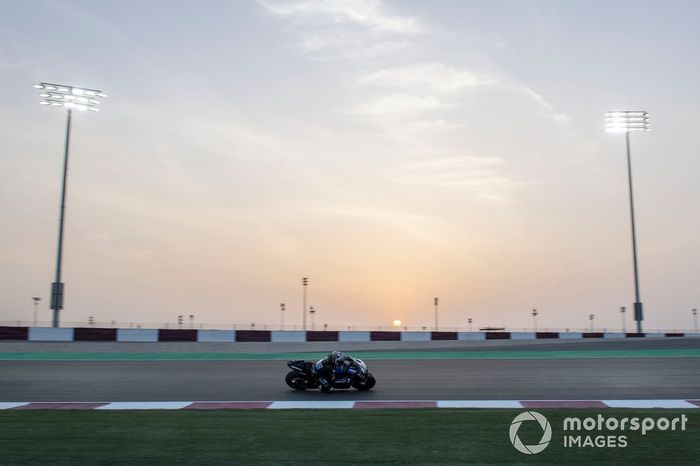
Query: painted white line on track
4	405
669	404
479	404
311	405
147	405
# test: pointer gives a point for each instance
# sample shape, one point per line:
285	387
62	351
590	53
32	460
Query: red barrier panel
249	336
14	333
385	336
635	335
177	335
321	336
497	335
674	334
95	334
593	335
547	335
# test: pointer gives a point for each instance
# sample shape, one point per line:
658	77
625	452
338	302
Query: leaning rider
326	368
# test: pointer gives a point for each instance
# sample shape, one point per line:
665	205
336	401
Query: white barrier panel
522	335
50	334
137	334
288	336
570	335
471	336
655	335
613	335
216	336
353	336
415	336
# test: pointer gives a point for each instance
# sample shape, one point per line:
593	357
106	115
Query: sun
397	323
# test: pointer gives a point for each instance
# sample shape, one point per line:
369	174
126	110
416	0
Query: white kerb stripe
147	405
311	405
649	404
7	405
479	404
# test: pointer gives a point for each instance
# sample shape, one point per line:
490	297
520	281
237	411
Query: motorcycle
356	375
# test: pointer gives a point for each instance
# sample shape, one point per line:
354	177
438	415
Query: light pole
304	283
626	122
695	319
36	300
282	309
469	321
435	302
71	98
312	311
179	321
534	318
191	320
622	312
591	317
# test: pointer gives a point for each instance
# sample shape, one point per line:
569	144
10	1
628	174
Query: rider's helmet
336	357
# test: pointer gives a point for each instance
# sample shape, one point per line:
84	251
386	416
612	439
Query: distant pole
622	312
695	318
282	309
36	300
469	321
304	283
71	98
435	301
534	318
312	311
191	320
591	317
179	321
625	122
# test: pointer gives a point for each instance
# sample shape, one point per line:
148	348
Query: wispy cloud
435	77
370	14
398	106
331	30
479	175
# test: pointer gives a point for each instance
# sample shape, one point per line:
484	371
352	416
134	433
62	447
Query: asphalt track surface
401	379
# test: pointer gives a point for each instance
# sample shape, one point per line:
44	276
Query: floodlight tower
626	122
71	98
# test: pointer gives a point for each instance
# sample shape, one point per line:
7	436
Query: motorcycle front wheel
366	384
296	380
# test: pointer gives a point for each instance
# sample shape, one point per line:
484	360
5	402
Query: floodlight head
70	97
625	121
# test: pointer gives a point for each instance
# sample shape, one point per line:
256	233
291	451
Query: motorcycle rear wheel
367	384
296	380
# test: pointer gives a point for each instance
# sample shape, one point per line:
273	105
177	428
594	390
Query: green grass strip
368	355
324	437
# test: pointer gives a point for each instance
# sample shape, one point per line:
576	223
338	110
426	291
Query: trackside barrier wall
8	333
415	336
353	336
14	333
137	334
522	335
50	334
471	336
216	336
289	336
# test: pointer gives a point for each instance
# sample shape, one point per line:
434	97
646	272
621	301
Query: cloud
398	106
369	14
479	175
436	77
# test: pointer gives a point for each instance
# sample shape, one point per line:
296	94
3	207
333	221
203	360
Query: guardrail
68	334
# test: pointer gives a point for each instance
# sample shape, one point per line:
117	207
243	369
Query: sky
391	151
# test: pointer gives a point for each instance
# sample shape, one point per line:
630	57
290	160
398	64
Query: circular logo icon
546	432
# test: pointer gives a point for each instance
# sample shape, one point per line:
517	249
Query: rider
325	368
